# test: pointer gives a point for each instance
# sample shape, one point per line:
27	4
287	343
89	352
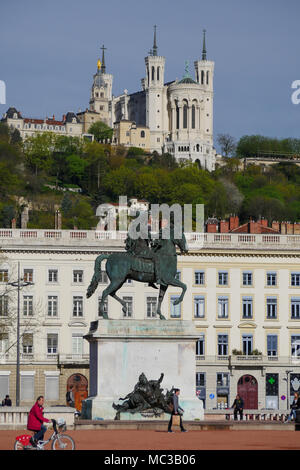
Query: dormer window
15	116
74	120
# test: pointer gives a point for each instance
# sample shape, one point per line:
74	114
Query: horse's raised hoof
177	301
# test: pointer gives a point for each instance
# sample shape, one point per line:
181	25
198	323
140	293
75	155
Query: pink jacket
36	418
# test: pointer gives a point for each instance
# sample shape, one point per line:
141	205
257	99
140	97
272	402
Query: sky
49	52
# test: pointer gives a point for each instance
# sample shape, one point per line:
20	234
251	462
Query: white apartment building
243	296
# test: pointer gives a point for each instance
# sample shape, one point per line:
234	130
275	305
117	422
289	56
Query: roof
11	111
188	80
70	116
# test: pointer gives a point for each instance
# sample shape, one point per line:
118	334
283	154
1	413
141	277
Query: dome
187	80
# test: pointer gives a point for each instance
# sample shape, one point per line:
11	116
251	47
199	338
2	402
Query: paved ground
161	440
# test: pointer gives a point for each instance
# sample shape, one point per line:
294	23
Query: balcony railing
249	360
195	240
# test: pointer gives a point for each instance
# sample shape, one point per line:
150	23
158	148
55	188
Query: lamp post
18	284
288	388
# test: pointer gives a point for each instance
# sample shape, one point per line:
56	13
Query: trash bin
297	420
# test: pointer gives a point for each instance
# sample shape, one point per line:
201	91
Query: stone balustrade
195	240
15	417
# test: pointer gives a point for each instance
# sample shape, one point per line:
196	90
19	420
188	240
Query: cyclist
35	421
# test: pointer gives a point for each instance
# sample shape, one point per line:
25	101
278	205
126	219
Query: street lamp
288	388
18	284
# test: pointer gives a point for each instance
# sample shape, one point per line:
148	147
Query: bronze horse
123	266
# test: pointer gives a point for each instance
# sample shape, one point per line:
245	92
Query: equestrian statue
147	260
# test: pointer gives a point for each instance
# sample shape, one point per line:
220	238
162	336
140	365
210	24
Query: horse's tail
97	273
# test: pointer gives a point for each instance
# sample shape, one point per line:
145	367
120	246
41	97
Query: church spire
204	46
154	51
103	67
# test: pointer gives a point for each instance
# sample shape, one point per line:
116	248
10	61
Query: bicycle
59	441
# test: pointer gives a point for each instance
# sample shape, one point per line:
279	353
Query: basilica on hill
177	116
174	117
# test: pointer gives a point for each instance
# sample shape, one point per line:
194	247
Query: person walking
177	410
6	401
238	407
35	421
294	407
70	399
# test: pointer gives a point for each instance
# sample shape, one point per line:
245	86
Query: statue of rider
142	248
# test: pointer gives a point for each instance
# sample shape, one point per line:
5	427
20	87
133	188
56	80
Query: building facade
69	125
243	296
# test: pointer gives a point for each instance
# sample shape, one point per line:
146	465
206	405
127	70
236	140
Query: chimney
253	227
224	226
289	228
283	228
275	226
212	226
53	117
263	222
233	222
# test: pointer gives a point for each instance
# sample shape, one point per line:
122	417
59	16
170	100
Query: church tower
156	109
204	72
101	93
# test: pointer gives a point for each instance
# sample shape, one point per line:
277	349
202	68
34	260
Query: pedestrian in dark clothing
70	399
294	407
6	401
238	407
177	410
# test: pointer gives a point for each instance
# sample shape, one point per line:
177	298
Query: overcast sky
49	53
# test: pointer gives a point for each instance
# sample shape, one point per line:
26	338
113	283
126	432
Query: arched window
193	117
197	147
207	77
142	133
185	112
153	74
157	73
202	77
177	116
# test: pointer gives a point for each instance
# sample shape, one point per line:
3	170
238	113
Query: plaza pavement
212	439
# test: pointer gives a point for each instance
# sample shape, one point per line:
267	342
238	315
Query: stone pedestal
120	350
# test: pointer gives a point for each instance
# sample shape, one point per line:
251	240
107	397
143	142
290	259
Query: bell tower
101	92
154	88
204	71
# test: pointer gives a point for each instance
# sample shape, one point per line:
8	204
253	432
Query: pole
18	284
18	343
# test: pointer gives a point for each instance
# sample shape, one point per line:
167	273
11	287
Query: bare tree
227	144
30	312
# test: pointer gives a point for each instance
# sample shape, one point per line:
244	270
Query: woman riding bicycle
35	421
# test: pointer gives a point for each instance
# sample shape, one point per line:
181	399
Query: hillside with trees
50	172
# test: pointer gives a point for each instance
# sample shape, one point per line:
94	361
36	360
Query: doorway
248	390
78	384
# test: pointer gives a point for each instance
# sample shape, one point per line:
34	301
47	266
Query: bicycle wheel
63	442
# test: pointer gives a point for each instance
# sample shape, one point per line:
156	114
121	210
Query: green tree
101	131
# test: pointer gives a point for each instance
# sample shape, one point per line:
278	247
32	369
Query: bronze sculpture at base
147	397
